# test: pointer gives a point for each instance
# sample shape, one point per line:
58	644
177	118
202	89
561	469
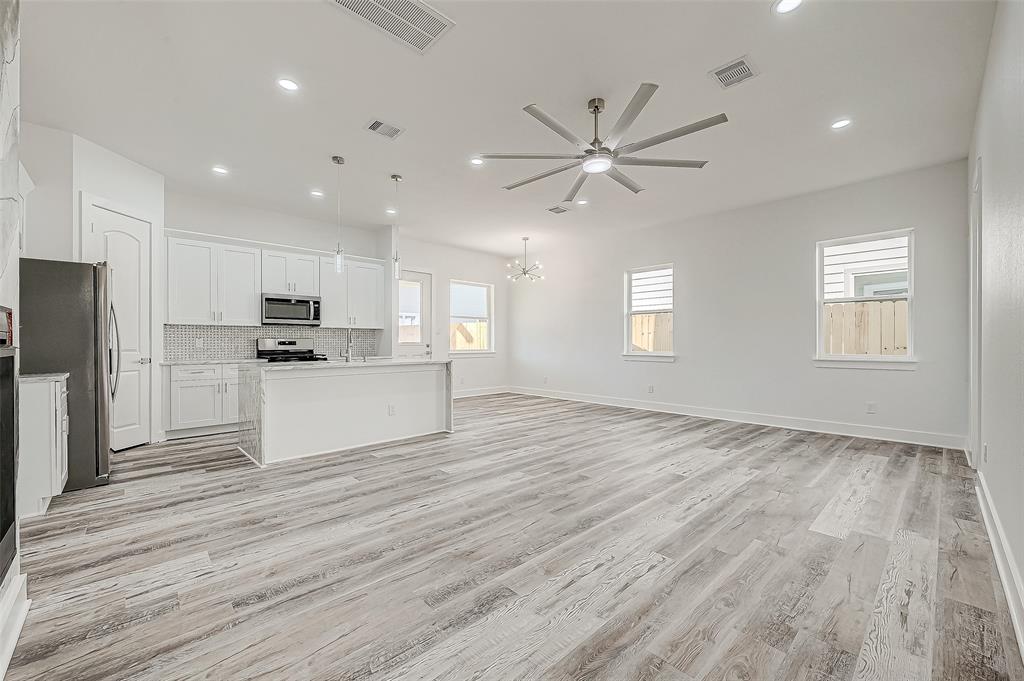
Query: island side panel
250	412
315	411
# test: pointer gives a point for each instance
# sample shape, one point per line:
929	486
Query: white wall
475	374
211	216
745	314
46	154
998	149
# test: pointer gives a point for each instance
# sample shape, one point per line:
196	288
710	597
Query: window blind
650	290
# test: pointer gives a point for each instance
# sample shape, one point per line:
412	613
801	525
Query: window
410	325
865	293
649	311
470	326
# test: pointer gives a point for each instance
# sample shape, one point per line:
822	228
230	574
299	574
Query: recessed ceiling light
841	123
581	202
316	193
476	161
786	6
391	211
288	84
220	170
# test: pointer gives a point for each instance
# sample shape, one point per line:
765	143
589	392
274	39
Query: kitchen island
296	409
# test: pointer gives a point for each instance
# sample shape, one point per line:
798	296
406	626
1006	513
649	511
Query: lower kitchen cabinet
43	442
203	395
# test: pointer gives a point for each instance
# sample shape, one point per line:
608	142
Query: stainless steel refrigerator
67	324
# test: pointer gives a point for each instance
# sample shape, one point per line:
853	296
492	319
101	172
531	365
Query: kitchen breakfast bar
291	410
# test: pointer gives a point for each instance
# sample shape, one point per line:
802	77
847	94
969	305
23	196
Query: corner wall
745	302
997	158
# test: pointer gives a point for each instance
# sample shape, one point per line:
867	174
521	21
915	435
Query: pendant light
397	260
339	253
520	270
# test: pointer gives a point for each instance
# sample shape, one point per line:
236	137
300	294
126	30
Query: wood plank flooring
545	539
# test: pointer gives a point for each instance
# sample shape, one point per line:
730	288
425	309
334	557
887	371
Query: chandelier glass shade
521	271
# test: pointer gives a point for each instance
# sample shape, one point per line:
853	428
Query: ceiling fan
604	155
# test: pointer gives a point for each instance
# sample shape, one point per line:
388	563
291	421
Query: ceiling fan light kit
601	156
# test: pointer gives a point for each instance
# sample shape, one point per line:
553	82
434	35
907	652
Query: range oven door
298	310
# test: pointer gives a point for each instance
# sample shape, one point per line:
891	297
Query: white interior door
124	242
414	314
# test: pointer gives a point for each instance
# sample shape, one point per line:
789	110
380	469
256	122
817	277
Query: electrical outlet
984	452
462	380
545	380
650	388
871	407
391	410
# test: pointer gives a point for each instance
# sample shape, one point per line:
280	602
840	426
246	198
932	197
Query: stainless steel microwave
298	310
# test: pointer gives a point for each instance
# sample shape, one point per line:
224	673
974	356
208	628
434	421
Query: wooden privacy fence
874	327
651	332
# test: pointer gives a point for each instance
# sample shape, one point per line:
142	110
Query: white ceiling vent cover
385	129
734	73
558	210
414	23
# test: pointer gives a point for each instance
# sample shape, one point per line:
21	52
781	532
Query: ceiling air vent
558	210
414	23
385	129
734	73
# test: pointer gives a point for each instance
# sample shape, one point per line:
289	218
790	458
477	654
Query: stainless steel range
287	350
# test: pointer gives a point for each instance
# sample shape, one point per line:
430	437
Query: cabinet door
275	273
239	285
333	296
365	294
196	403
304	274
230	406
191	282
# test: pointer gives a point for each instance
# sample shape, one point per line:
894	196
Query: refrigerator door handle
117	336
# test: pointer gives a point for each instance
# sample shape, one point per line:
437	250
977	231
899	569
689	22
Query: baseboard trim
916	437
14	604
477	392
1009	572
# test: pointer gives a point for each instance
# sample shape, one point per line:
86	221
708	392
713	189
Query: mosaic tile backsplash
239	342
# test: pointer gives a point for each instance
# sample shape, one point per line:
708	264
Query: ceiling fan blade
672	134
659	162
541	176
498	157
560	129
629	114
624	180
575	188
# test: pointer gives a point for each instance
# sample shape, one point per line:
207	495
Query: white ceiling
181	86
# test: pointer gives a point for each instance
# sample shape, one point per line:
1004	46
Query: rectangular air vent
734	73
411	22
385	129
558	210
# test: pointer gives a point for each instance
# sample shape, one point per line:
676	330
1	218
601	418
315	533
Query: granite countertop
43	378
178	362
342	364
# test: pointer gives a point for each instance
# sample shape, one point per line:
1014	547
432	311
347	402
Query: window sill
648	357
471	353
872	363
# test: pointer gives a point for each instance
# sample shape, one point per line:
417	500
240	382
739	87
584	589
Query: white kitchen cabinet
297	273
203	395
365	294
354	298
212	283
43	442
333	296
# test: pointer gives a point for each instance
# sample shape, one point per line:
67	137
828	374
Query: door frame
433	313
975	207
157	310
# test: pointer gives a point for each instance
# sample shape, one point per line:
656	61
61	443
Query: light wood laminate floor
543	540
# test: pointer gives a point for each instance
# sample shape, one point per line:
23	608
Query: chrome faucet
348	349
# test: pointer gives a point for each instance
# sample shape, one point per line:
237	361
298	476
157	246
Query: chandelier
520	270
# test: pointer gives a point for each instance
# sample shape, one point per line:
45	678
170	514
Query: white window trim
490	318
891	362
627	354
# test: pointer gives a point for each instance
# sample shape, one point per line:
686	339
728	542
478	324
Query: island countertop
342	364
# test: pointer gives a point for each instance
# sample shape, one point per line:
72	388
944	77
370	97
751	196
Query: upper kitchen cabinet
291	273
353	298
211	283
